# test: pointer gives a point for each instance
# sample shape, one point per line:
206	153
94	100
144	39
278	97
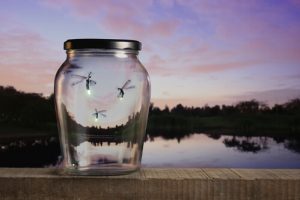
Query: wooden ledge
153	183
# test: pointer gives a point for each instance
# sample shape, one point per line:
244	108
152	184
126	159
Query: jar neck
101	52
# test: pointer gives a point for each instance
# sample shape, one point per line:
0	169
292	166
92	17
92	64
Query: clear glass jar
102	94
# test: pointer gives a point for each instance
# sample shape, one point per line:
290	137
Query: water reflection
30	152
165	150
221	150
247	144
293	145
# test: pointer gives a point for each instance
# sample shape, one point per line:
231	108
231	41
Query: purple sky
196	52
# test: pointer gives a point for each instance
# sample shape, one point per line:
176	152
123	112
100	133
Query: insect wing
78	76
129	87
75	83
126	83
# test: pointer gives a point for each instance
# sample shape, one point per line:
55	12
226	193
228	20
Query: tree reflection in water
241	142
45	151
247	144
293	145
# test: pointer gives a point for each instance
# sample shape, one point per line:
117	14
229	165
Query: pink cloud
99	7
19	42
251	28
122	18
26	60
210	68
29	78
271	97
77	7
156	65
295	2
136	29
132	21
159	66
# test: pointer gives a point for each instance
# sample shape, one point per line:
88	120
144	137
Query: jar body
102	102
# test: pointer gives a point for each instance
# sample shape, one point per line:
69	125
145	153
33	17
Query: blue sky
196	52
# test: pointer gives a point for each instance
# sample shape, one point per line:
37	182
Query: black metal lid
102	44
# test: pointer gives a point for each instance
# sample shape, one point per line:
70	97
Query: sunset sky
196	52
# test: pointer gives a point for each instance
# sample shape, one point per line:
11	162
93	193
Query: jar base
101	171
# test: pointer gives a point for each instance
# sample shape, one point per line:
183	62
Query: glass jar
102	95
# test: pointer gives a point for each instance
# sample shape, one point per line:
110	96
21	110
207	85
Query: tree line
243	107
25	109
35	111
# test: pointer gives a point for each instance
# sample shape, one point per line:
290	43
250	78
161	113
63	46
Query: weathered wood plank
287	173
273	184
210	184
251	174
220	173
225	184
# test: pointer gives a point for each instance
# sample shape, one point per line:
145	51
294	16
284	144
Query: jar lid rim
90	43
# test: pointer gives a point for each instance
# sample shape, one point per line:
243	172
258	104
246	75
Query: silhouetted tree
248	106
293	106
278	109
166	110
25	109
179	109
228	110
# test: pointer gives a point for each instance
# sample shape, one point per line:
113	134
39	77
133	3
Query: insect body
124	87
88	81
97	113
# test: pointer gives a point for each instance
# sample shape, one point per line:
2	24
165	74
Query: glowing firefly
88	81
124	87
97	113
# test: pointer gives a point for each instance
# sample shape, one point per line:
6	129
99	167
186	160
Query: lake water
192	150
200	150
